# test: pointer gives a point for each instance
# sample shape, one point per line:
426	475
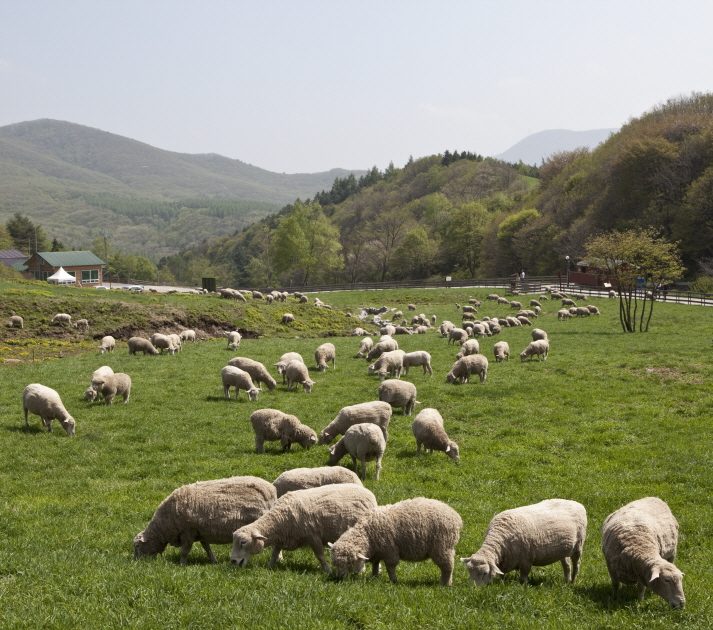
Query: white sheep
364	347
234	340
538	333
385	345
524	321
62	318
45	402
501	350
398	394
402	330
187	335
240	379
81	324
387	330
639	543
465	366
397	315
563	314
16	321
389	363
593	309
258	372
612	293
413	530
287	318
364	442
207	512
531	535
535	303
111	385
257	295
469	347
445	328
303	518
581	311
513	321
281	365
296	372
304	478
162	342
108	344
271	425
176	341
414	359
427	428
457	335
568	302
139	344
539	348
269	298
324	354
494	297
515	304
503	300
469	309
376	412
411	307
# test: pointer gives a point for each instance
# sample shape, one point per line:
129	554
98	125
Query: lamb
364	347
324	354
235	377
469	347
465	366
110	385
176	341
428	430
532	535
502	351
139	344
538	333
612	294
62	318
568	302
108	344
258	372
82	324
563	314
303	478
16	321
296	372
539	348
413	530
364	442
411	307
593	309
281	365
457	335
187	335
287	318
413	359
639	543
387	345
234	340
90	394
311	517
271	425
162	342
397	315
45	402
433	320
399	394
207	512
387	330
390	363
375	412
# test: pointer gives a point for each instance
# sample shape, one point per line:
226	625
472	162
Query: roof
70	259
12	253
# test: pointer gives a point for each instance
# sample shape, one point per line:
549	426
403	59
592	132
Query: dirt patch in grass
673	374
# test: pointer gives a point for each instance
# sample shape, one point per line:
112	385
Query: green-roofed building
84	266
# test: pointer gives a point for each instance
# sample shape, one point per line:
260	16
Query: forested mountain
76	181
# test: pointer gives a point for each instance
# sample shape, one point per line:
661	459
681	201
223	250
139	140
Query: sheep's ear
330	545
448	448
361	556
494	569
313	438
654	575
464	560
141	537
331	450
259	536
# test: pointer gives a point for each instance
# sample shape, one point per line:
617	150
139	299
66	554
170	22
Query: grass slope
607	419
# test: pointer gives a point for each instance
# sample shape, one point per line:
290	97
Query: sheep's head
90	394
252	394
452	451
307	386
68	424
481	572
325	437
246	544
450	377
666	581
305	436
345	560
146	547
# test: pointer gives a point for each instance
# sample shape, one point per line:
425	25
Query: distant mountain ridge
538	146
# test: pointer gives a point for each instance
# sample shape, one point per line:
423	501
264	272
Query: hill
537	147
76	181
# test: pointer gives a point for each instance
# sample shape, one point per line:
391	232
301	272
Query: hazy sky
305	86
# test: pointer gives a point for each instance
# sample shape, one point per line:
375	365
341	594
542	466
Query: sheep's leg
186	546
108	398
641	590
378	469
354	463
226	391
391	570
567	568
27	422
318	550
375	568
259	444
274	557
445	564
524	573
615	587
48	423
126	397
418	448
209	551
576	561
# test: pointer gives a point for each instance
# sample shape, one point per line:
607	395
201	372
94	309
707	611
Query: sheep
139	344
364	442
387	330
62	318
298	295
413	530
537	311
90	394
108	344
402	330
413	359
539	348
111	385
359	332
494	297
524	321
45	402
515	304
469	347
399	394
310	517
176	341
162	342
207	512
469	309
258	296
303	300
15	321
187	335
235	377
303	478
366	344
531	535
579	296
82	324
465	366
324	354
234	340
513	322
390	363
287	318
376	412
538	333
387	345
271	425
421	330
258	372
411	307
296	372
639	544
504	323
563	314
397	315
593	309
581	311
457	306
612	293
457	335
468	317
281	365
535	303
269	298
446	327
427	428
474	302
501	350
568	302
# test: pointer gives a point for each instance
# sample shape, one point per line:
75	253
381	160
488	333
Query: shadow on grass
601	595
21	428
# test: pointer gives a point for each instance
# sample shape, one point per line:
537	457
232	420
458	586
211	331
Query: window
90	276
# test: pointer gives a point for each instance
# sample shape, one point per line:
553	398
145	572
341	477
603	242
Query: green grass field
607	419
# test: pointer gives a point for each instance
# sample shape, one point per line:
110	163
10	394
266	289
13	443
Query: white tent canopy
62	276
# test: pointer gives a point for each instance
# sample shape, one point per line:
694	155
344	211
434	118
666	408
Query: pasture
607	419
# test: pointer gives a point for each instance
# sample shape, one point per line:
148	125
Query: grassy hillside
607	419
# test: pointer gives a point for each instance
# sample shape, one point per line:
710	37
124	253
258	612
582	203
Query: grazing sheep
538	333
324	354
281	365
568	302
16	321
187	335
457	335
469	309
414	359
298	295
90	394
271	425
494	297
107	345
612	294
539	348
112	385
445	328
359	332
524	321
288	318
258	372
386	345
402	330
364	442
304	478
563	314
207	512
397	315
375	412
593	309
413	530
468	317
390	363
513	321
62	318
639	543
579	296
81	324
176	341
296	372
515	304
535	303
304	300
581	311
387	330
537	311
235	377
45	402
465	366
139	344
366	344
269	298
399	394
427	428
303	518
258	296
234	340
411	307
532	535
469	347
162	342
501	351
